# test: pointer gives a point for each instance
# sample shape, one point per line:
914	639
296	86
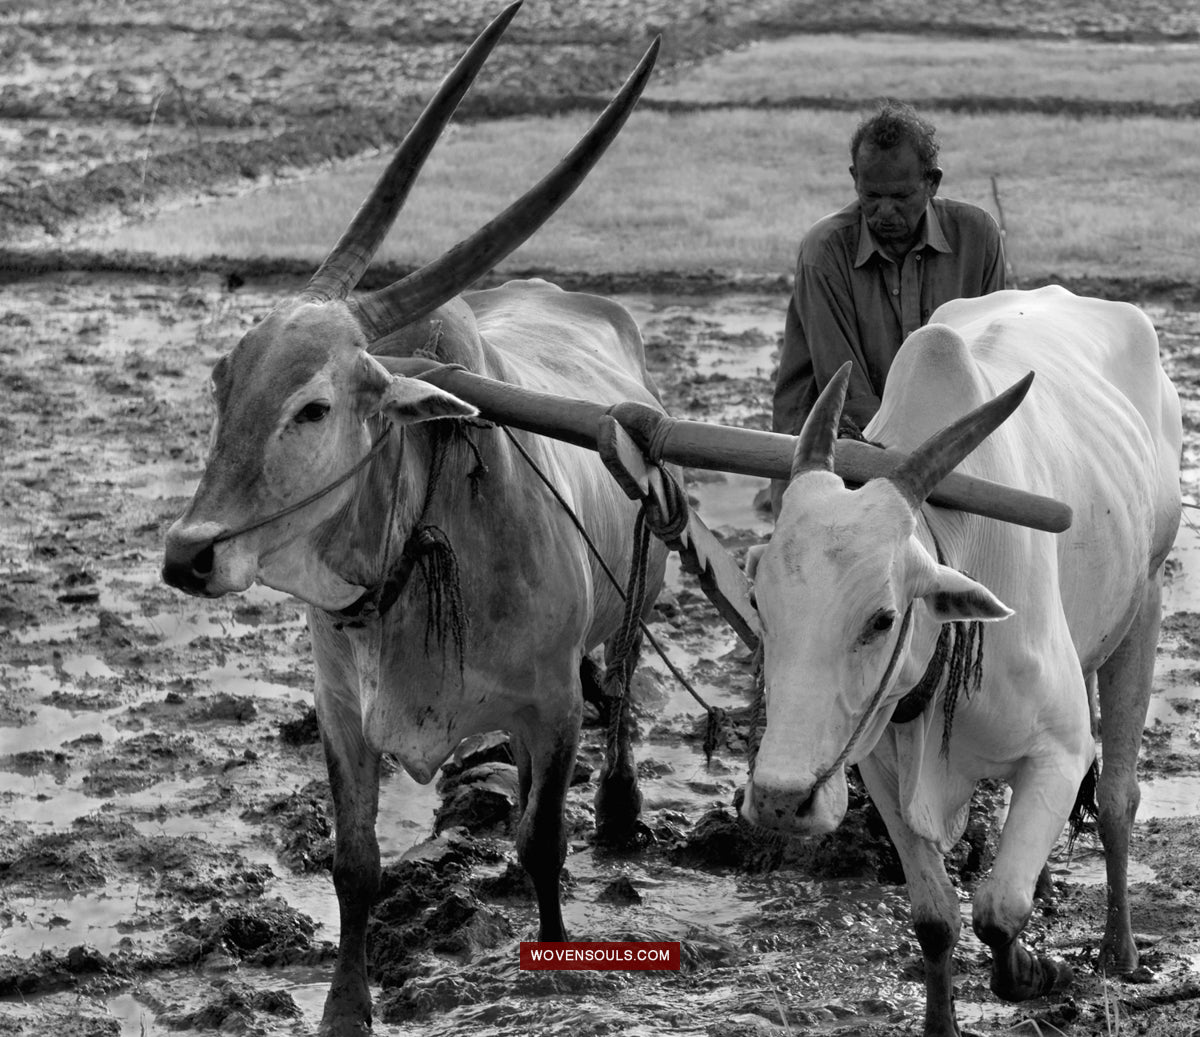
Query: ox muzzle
793	806
190	560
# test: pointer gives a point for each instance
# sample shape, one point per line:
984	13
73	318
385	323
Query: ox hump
933	381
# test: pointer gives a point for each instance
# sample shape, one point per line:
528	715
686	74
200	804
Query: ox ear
408	400
953	596
405	400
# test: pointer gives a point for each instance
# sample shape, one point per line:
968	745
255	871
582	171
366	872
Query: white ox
449	592
1100	429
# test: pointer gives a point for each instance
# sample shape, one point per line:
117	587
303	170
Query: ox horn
422	291
942	452
814	445
350	257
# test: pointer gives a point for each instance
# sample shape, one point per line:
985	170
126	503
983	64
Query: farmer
871	273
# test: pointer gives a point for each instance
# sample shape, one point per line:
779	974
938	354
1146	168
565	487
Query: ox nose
188	566
772	809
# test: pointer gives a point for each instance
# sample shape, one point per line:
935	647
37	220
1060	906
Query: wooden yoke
723	448
769	455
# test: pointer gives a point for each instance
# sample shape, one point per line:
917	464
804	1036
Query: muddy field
166	826
165	837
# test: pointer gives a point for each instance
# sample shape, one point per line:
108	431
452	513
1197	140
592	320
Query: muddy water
124	701
97	700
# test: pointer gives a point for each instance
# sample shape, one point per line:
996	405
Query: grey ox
855	588
448	591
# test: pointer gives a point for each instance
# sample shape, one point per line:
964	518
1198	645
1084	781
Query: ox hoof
1034	975
347	1011
344	1026
620	835
1118	957
618	804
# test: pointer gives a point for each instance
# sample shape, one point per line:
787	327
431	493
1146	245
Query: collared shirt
852	302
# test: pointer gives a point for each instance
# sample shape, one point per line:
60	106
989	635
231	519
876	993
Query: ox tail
1086	810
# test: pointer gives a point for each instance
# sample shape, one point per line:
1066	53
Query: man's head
893	156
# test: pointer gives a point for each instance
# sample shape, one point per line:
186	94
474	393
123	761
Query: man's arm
995	273
827	313
820	334
795	388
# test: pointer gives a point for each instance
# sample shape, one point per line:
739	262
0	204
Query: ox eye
312	412
878	625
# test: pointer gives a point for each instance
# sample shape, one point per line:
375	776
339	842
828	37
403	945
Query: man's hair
895	123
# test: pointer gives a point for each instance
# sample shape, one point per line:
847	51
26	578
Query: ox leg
618	799
1043	792
936	919
545	753
354	782
1125	682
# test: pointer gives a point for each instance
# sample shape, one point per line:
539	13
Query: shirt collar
932	236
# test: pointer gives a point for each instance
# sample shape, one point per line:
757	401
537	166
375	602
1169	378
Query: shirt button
895	291
918	259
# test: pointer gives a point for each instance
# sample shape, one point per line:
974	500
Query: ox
855	586
448	591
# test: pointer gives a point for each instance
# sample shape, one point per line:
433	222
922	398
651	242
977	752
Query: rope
622	649
371	454
428	547
884	681
658	439
913	704
848	430
385	567
624	643
715	716
650	519
965	673
958	657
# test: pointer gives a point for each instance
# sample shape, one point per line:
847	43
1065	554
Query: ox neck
407	538
955	661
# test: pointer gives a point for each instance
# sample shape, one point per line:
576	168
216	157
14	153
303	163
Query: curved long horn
942	452
344	265
814	445
424	290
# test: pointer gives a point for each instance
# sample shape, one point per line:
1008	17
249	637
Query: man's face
893	191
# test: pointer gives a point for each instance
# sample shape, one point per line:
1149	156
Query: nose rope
312	497
837	764
884	681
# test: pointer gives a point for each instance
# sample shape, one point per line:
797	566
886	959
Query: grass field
921	68
733	189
